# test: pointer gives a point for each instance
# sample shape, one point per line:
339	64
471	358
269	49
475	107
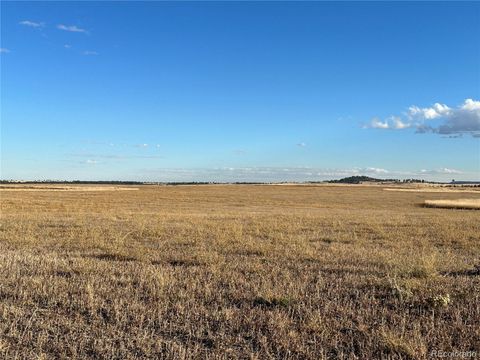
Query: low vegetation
237	271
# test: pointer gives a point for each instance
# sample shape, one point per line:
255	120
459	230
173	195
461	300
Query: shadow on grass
468	272
112	257
179	262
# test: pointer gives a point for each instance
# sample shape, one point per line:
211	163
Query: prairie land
238	272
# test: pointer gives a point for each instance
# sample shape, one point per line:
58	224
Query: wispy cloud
444	171
121	144
71	28
89	52
34	24
114	156
4	51
374	170
376	123
301	144
67	46
239	152
453	122
96	142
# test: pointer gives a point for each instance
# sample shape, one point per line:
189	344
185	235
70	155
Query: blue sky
239	91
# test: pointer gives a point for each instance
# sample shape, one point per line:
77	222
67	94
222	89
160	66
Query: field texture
239	271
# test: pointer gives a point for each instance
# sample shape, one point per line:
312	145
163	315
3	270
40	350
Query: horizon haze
239	91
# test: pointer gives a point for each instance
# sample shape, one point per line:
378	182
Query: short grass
237	272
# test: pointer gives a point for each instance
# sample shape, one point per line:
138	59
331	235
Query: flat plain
237	271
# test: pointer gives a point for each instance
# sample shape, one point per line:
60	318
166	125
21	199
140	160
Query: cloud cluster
69	28
453	122
4	51
39	25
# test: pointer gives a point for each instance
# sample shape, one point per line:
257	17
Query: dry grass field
237	271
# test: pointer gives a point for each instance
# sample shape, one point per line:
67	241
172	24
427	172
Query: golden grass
454	204
237	272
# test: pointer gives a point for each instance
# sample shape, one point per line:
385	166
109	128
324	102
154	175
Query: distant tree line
357	180
66	182
346	180
115	182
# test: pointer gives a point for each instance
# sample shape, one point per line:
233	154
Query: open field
237	271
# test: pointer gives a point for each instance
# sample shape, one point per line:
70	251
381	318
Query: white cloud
33	24
88	52
471	105
436	111
393	122
464	119
302	144
4	51
91	162
398	124
376	170
71	28
67	46
376	123
141	145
